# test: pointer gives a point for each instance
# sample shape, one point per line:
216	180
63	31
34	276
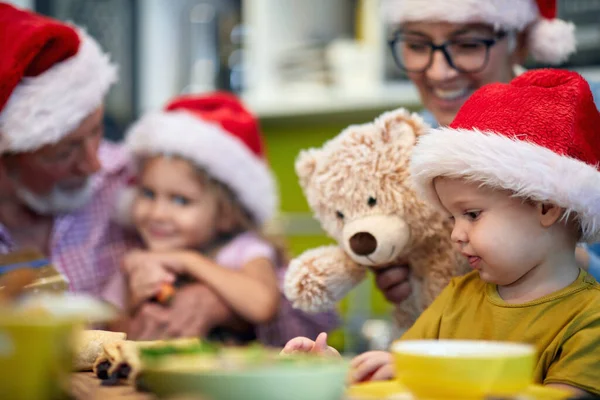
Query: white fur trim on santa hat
43	109
528	170
224	157
551	41
501	14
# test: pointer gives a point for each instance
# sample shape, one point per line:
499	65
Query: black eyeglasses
414	54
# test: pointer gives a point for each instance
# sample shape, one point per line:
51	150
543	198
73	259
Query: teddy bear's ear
306	163
401	122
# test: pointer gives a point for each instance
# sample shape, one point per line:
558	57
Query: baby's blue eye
147	193
180	200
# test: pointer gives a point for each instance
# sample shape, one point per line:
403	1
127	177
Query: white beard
58	201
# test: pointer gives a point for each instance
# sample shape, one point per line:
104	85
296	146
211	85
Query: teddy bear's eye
339	214
372	201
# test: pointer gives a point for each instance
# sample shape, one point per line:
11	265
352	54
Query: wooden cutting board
85	385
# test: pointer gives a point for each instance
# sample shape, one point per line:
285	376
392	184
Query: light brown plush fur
363	175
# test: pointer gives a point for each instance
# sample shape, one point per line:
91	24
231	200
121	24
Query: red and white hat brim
528	170
550	41
43	109
501	14
208	145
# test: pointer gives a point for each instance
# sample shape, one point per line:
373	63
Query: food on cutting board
205	356
124	360
120	360
90	344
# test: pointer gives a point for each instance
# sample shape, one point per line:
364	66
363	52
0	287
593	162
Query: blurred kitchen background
307	68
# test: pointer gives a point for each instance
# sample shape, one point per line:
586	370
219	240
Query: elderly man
58	177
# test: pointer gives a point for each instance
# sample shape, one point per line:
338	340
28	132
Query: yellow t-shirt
564	326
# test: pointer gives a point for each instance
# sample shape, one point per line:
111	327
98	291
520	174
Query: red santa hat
52	76
537	137
218	134
551	40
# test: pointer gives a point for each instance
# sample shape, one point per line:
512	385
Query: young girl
203	191
517	173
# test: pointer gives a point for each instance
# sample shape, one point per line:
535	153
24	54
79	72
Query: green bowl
270	378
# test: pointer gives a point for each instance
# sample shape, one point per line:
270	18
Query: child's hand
305	345
372	366
582	257
146	274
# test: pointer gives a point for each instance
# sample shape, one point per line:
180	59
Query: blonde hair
241	219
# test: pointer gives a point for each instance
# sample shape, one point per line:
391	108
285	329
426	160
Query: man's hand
194	311
393	282
149	323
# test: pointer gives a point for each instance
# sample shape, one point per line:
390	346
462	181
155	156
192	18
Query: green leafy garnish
169	350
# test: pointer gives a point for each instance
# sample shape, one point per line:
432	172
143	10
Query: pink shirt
288	322
85	245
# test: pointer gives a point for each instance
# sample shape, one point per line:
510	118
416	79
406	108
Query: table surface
85	385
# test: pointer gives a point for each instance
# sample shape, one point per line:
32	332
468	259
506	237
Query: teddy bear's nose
363	243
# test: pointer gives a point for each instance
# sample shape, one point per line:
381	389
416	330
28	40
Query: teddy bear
359	187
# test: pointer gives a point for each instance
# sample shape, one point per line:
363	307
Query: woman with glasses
450	48
447	62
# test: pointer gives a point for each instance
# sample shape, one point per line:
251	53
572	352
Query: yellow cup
453	369
36	355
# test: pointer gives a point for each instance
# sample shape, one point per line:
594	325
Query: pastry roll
130	365
90	344
121	359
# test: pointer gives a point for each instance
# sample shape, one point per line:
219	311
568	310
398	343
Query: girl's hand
372	366
305	345
179	261
146	274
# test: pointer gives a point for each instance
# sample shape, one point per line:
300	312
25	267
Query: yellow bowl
453	369
380	390
36	343
35	356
